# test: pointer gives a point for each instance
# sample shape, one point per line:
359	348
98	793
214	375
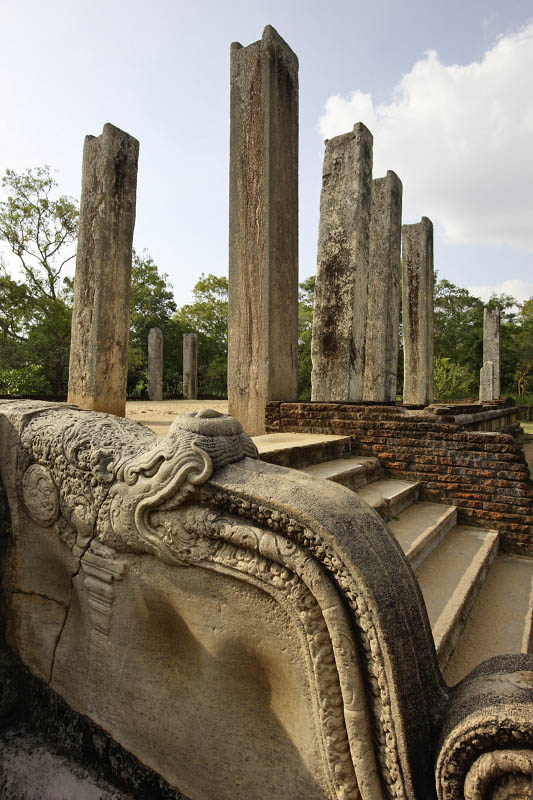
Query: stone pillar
486	382
190	366
155	364
101	313
339	323
417	306
491	346
263	223
384	282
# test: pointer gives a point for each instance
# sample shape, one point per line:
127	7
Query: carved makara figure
244	629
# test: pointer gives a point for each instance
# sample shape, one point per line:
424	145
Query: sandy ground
158	415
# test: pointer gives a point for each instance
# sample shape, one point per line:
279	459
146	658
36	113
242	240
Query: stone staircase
479	601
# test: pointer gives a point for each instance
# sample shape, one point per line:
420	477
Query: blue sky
446	88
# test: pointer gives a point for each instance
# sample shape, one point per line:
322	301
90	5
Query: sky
446	88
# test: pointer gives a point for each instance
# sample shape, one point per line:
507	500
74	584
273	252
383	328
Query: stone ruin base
462	454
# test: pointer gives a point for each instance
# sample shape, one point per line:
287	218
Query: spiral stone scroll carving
501	775
486	750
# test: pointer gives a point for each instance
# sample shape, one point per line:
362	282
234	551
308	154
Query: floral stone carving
244	629
40	495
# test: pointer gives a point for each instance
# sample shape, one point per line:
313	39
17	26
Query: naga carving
382	722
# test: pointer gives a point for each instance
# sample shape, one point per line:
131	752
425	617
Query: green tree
523	375
509	345
452	381
40	231
207	316
459	334
306	303
152	305
458	329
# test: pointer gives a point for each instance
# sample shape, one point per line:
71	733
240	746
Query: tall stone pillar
491	347
339	323
190	366
417	307
101	313
263	223
384	282
155	364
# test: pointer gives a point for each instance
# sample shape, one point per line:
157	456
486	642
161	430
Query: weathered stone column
155	364
491	346
339	323
190	366
417	306
101	314
384	281
486	382
263	223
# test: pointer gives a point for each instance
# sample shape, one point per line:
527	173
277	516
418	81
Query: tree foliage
207	316
39	230
523	375
306	301
152	305
452	381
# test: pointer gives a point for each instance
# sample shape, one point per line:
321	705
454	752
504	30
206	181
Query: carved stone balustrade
245	630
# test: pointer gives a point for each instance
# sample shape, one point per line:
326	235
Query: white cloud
519	289
460	139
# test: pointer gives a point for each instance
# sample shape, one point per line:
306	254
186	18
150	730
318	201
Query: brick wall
484	474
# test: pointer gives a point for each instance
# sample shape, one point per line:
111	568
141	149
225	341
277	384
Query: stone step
299	450
421	528
389	497
451	579
500	620
351	471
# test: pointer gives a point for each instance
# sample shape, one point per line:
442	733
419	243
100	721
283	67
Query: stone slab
451	579
351	471
499	618
421	527
389	497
